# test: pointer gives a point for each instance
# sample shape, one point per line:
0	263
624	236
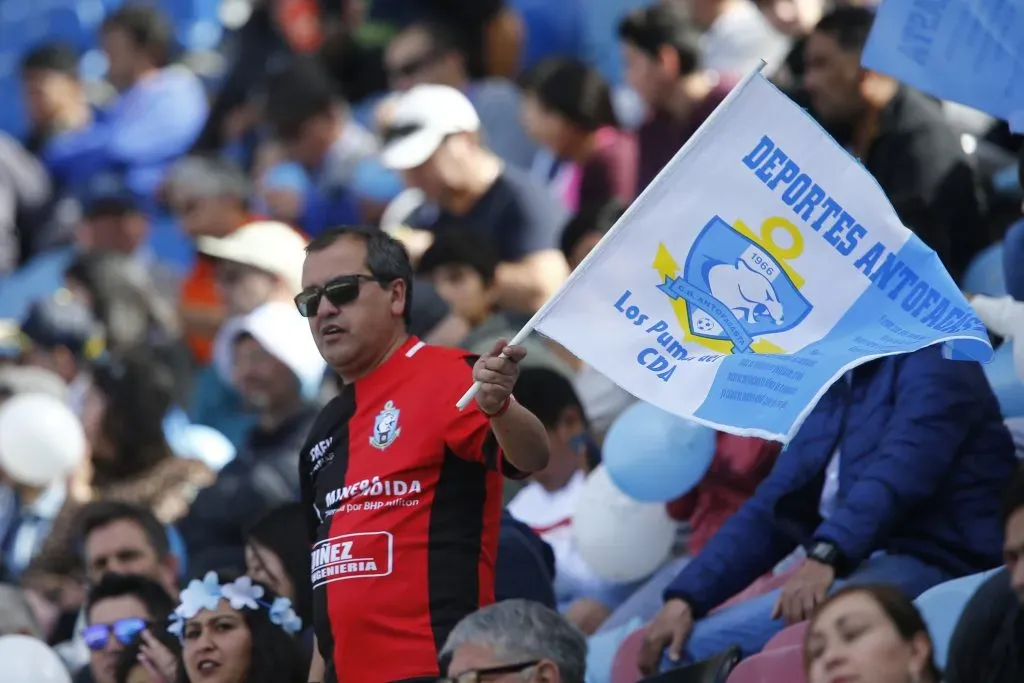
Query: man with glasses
403	490
517	639
117	610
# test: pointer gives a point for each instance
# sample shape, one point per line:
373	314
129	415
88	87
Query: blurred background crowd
163	165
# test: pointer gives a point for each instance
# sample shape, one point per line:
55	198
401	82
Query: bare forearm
522	438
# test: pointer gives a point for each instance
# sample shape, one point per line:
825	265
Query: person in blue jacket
895	477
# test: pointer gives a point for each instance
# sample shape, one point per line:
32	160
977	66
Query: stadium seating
788	637
781	665
941	607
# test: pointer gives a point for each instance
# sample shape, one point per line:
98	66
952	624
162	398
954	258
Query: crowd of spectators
153	225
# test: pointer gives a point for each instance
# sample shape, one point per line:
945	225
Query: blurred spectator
525	567
899	134
736	36
118	609
662	48
277	555
431	53
795	19
210	197
131	461
54	96
891	645
433	139
16	379
546	504
516	637
260	262
158	115
32	221
16	614
986	645
114	220
62	336
122	538
278	371
31	514
314	123
462	267
905	433
568	109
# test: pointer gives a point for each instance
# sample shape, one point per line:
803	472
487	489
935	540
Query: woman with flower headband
235	631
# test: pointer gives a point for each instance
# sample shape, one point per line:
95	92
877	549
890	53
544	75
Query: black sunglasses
339	291
478	675
124	631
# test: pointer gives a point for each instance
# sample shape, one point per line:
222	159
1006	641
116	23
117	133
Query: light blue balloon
655	456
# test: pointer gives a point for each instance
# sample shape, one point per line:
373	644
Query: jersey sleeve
469	432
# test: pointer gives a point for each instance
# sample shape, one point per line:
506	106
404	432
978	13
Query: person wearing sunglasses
515	640
402	489
118	609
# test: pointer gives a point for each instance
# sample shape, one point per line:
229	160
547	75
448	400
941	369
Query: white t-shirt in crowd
549	514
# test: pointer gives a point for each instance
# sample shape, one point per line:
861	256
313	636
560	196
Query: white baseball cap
273	247
422	118
284	334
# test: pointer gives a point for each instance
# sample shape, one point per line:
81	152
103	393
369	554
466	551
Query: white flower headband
241	593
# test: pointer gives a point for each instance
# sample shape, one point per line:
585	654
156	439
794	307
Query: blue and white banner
762	264
967	51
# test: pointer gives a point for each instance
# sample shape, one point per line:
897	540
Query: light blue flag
966	51
761	265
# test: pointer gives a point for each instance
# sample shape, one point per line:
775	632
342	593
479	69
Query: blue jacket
924	456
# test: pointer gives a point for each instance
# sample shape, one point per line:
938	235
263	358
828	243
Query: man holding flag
807	312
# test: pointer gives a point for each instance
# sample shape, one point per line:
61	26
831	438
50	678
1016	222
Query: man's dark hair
99	514
461	248
1013	497
57	57
300	91
547	393
589	220
158	603
850	26
386	258
664	24
147	27
443	37
574	90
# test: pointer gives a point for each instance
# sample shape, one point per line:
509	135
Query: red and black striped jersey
404	496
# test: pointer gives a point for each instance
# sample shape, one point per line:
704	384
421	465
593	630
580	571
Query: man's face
645	75
262	380
1013	552
465	291
412	59
123	58
833	80
47	93
350	334
439	174
102	663
472	662
310	143
243	288
122	547
120	233
567	454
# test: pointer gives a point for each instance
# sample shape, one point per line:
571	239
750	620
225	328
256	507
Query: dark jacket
526	564
924	456
986	645
262	476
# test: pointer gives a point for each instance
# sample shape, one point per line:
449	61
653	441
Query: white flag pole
606	239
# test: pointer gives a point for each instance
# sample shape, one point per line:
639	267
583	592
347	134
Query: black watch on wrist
826	553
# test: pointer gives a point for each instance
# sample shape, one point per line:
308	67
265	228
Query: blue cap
62	321
107	193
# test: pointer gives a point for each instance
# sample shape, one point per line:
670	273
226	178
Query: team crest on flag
734	289
385	427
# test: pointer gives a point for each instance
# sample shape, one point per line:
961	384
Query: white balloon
620	539
24	659
41	440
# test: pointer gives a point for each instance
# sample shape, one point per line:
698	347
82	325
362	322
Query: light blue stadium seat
1007	386
984	274
941	607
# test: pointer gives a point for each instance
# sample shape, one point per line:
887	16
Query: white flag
762	264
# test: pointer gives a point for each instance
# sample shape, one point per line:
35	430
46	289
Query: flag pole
525	331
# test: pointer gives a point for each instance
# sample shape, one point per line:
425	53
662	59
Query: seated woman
567	108
237	631
871	633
